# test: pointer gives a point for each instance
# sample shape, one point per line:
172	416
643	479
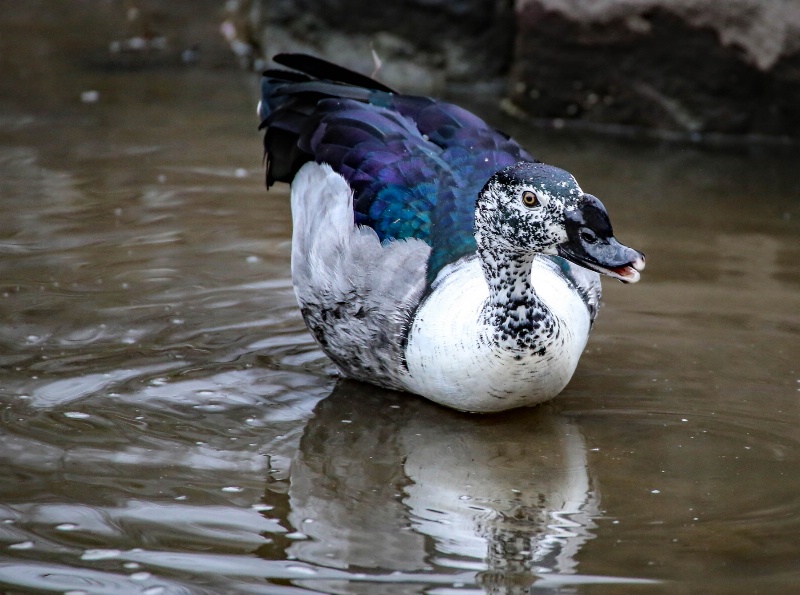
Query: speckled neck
520	318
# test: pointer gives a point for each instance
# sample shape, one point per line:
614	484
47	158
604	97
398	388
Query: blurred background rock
687	68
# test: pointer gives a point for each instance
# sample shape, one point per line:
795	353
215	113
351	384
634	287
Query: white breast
451	356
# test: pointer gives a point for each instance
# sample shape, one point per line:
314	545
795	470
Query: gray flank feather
356	295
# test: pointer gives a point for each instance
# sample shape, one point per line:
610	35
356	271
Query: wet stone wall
422	45
678	65
689	67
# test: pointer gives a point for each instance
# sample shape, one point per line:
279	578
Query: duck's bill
607	257
591	243
627	274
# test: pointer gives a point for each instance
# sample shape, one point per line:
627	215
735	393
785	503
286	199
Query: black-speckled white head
521	208
532	207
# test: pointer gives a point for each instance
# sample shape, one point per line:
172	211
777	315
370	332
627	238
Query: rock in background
689	67
422	45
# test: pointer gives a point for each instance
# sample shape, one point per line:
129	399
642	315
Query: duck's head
533	207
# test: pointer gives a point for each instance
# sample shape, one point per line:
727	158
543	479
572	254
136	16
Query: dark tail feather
288	102
328	71
271	84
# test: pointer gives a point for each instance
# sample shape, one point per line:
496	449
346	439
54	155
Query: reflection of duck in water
383	482
432	253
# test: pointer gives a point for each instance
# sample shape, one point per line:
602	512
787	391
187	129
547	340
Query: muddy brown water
168	425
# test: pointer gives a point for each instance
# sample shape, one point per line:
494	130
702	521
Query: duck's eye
529	199
588	236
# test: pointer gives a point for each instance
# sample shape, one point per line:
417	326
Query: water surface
168	425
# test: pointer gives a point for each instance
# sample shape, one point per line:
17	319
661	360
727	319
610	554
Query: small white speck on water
296	535
684	419
615	522
595	450
465	497
22	545
76	415
131	565
261	507
140	576
655	491
253	259
66	527
232	489
301	569
189	56
308	521
90	96
240	172
211	408
100	554
347	421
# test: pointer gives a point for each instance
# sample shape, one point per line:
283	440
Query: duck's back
414	164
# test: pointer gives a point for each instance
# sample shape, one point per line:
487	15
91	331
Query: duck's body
426	244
